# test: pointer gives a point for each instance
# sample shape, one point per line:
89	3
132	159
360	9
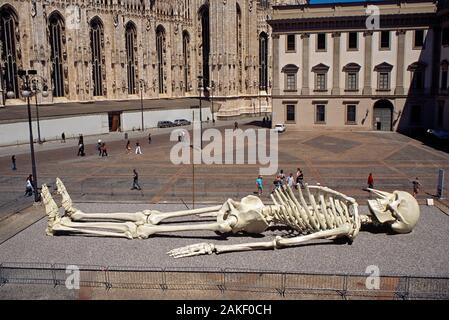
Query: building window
320	82
383	75
186	59
291	43
353	41
350	114
58	54
444	74
415	117
320	71
290	71
418	80
418	41
385	40
238	44
352	83
97	48
263	61
291	81
131	57
440	114
160	49
321	42
352	76
445	37
320	113
205	41
9	34
384	81
417	70
290	113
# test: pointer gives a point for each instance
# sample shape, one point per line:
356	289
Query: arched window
263	61
97	48
160	48
205	37
238	43
186	59
131	56
58	53
8	25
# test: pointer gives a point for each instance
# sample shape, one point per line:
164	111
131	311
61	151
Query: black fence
284	284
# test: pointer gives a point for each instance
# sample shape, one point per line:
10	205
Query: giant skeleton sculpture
315	213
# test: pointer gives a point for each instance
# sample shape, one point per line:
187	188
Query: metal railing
285	284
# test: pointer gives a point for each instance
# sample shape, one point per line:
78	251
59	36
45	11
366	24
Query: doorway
114	121
383	116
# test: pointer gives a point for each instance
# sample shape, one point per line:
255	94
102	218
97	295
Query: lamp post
200	88
44	93
26	92
211	90
141	81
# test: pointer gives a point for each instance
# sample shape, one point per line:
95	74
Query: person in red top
370	181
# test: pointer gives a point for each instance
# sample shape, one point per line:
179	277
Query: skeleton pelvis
249	216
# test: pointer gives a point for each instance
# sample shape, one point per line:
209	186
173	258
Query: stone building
91	50
353	66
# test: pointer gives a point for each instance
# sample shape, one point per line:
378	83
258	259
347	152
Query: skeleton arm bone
278	242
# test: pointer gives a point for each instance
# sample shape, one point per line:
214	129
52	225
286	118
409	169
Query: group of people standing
281	179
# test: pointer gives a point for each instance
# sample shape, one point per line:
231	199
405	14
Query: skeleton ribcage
316	209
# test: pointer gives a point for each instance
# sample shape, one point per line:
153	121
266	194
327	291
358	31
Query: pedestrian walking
149	138
128	147
81	150
259	183
81	139
416	186
63	137
236	125
136	185
370	181
99	147
277	183
299	178
29	186
138	149
104	150
290	180
13	162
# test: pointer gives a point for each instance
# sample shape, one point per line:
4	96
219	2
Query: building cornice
390	21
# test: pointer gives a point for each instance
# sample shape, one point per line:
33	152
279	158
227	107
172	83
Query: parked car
165	124
181	122
279	128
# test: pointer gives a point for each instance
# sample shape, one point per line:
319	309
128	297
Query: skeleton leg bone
278	242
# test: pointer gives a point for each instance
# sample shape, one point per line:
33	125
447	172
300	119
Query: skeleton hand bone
192	250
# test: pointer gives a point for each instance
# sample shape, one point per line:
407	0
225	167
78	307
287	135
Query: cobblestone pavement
340	160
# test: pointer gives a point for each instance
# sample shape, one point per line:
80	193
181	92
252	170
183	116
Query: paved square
340	160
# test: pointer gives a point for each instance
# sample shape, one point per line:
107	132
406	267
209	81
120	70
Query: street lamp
44	93
211	90
141	81
200	88
26	92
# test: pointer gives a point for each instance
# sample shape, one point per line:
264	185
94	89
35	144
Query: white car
279	128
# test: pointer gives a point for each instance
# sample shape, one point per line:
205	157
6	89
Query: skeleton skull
398	209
